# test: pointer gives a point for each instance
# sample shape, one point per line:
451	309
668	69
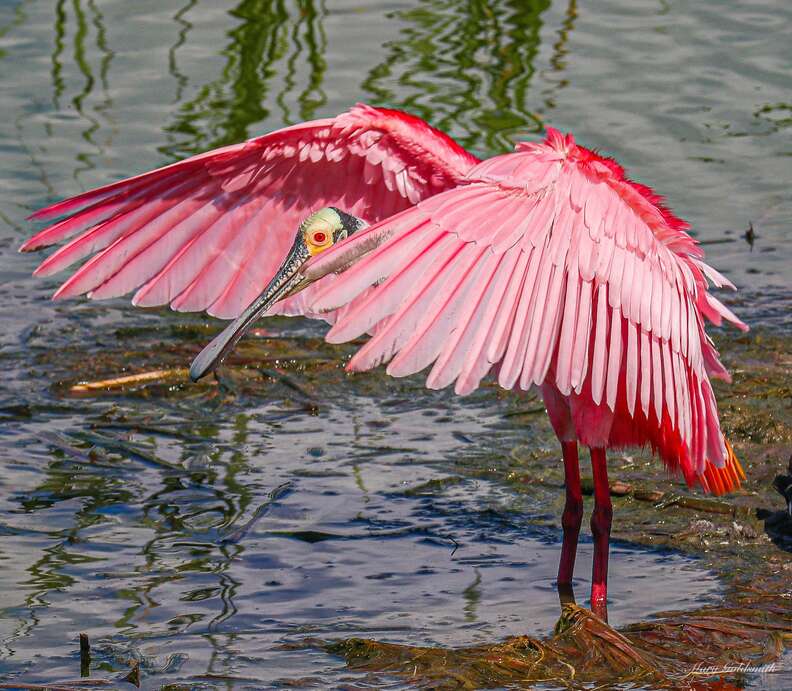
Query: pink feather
547	265
300	162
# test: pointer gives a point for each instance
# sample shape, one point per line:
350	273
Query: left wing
209	232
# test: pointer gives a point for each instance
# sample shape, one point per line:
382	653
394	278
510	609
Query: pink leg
600	529
572	516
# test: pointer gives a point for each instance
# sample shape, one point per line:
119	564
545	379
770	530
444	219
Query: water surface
306	514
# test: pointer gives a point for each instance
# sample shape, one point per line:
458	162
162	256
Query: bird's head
322	229
316	234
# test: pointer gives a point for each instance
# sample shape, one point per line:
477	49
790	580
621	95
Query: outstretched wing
209	232
547	265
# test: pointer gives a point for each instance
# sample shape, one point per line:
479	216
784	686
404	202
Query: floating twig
120	446
525	411
85	682
75	454
68	685
117	382
147	429
663	500
288	382
85	655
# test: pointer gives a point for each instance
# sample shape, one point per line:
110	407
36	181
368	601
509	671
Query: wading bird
546	267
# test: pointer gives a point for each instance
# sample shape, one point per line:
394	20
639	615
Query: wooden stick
663	500
85	655
116	382
38	687
73	685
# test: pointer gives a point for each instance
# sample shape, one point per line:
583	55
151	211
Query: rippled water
286	513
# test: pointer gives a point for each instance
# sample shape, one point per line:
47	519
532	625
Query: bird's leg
600	529
570	521
561	420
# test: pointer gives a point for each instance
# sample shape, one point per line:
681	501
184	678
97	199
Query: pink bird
546	267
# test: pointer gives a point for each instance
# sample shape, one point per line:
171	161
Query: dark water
285	514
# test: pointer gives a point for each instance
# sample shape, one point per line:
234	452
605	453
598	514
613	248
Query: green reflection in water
465	67
271	42
180	18
555	78
20	17
86	21
191	519
57	52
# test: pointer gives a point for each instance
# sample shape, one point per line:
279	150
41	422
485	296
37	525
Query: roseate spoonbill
546	266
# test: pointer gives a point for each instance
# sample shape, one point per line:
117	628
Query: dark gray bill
285	281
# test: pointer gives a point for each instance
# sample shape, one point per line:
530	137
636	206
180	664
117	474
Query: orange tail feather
719	481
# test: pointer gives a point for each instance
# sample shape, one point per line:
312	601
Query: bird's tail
719	481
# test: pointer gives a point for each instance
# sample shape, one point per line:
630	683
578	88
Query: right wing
209	232
548	266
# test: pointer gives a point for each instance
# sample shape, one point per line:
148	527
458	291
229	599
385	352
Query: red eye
319	238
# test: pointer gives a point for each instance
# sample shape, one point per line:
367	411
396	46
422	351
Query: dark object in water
750	235
85	655
783	483
778	524
134	674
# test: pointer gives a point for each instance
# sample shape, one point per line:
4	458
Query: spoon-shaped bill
284	282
